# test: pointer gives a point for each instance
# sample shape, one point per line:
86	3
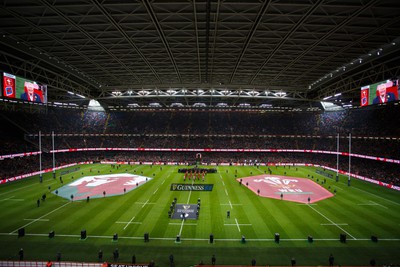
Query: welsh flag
364	96
8	85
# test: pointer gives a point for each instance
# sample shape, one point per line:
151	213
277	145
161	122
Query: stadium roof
248	53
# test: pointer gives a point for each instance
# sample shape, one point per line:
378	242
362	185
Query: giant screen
381	92
24	89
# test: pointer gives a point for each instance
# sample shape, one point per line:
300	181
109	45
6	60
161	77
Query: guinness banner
191	187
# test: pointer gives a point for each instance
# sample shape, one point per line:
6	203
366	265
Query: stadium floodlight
171	92
329	106
95	105
280	94
199	105
154	105
265	105
116	93
254	93
179	105
143	92
81	96
225	92
222	105
338	94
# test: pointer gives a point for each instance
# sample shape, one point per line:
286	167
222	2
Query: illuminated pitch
288	188
97	186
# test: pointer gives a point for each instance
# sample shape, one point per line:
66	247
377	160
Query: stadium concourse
374	131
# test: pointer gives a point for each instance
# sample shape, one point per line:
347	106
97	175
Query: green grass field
360	210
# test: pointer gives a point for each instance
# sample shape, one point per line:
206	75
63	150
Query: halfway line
183	219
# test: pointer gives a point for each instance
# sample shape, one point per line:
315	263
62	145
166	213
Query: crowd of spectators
362	122
374	131
379	147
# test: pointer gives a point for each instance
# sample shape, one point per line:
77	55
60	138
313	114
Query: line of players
194	175
197	211
171	207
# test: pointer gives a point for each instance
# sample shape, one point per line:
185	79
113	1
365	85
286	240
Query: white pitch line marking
226	192
230	204
183	220
195	224
12	199
332	222
220	176
180	230
155	191
371	203
17	189
237	224
241	224
379	205
39	218
5	199
129	222
352	187
22	188
145	203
